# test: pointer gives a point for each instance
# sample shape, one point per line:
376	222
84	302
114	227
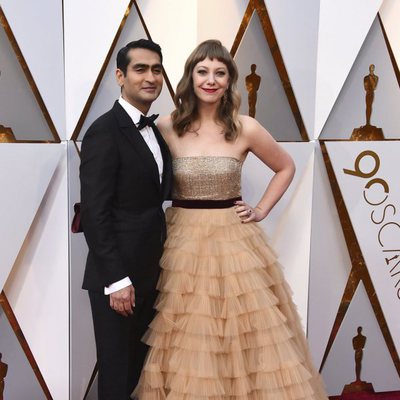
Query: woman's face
210	80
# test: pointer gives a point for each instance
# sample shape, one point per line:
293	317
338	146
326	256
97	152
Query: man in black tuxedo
125	177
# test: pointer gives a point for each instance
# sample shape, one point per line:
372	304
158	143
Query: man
125	176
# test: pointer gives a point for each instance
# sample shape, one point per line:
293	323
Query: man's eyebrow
142	65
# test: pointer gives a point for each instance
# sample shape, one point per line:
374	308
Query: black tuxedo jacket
121	203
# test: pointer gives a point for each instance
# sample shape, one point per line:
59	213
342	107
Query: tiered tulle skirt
226	327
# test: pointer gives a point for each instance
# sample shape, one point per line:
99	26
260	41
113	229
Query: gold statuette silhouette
358	385
6	135
368	131
3	373
252	85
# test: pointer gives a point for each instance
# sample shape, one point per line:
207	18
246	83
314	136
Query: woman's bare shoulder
164	123
249	123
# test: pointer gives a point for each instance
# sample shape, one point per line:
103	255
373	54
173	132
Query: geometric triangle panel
365	94
19	370
330	262
296	31
263	95
109	91
38	286
38	30
343	26
25	173
19	108
89	30
377	367
369	185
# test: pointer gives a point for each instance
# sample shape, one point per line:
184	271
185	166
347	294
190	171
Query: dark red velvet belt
205	203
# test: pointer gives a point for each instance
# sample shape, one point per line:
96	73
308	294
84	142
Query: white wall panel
173	25
38	28
377	365
209	20
25	173
89	28
19	369
83	350
272	108
17	98
343	26
390	15
349	110
37	287
289	221
295	24
330	263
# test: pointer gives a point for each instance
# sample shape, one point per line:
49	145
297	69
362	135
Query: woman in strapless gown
226	327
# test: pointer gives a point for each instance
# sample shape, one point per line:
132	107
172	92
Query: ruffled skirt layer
226	326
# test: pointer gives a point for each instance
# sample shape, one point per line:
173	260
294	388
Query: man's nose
150	76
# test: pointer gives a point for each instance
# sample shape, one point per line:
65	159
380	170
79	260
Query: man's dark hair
123	58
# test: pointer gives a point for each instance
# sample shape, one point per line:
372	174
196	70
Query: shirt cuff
123	283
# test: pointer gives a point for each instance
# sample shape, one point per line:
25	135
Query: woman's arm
264	146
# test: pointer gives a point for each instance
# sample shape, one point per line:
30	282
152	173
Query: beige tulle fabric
226	327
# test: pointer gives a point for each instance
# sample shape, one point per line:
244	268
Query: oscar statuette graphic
358	385
6	134
3	373
368	131
252	85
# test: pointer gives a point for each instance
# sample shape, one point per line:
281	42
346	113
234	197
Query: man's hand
123	300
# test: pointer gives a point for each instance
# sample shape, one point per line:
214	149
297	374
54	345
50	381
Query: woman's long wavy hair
186	101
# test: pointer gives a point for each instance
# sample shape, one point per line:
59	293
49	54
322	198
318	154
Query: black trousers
120	352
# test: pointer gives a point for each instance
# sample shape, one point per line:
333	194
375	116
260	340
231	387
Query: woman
226	327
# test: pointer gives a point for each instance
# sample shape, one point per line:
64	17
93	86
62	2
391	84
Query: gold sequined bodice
206	178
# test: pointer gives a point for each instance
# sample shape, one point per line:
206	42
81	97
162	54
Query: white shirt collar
132	111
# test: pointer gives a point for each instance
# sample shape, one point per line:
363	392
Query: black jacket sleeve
98	175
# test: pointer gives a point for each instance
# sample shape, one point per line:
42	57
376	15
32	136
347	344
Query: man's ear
119	75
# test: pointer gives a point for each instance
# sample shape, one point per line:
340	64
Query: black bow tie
146	121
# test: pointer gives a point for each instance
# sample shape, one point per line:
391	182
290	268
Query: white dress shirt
151	141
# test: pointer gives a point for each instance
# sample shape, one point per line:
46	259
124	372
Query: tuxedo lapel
129	129
167	161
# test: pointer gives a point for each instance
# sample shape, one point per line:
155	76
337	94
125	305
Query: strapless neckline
206	177
208	157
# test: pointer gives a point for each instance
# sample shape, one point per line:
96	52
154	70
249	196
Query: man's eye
157	71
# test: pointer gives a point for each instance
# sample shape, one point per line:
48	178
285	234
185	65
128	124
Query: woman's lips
209	90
